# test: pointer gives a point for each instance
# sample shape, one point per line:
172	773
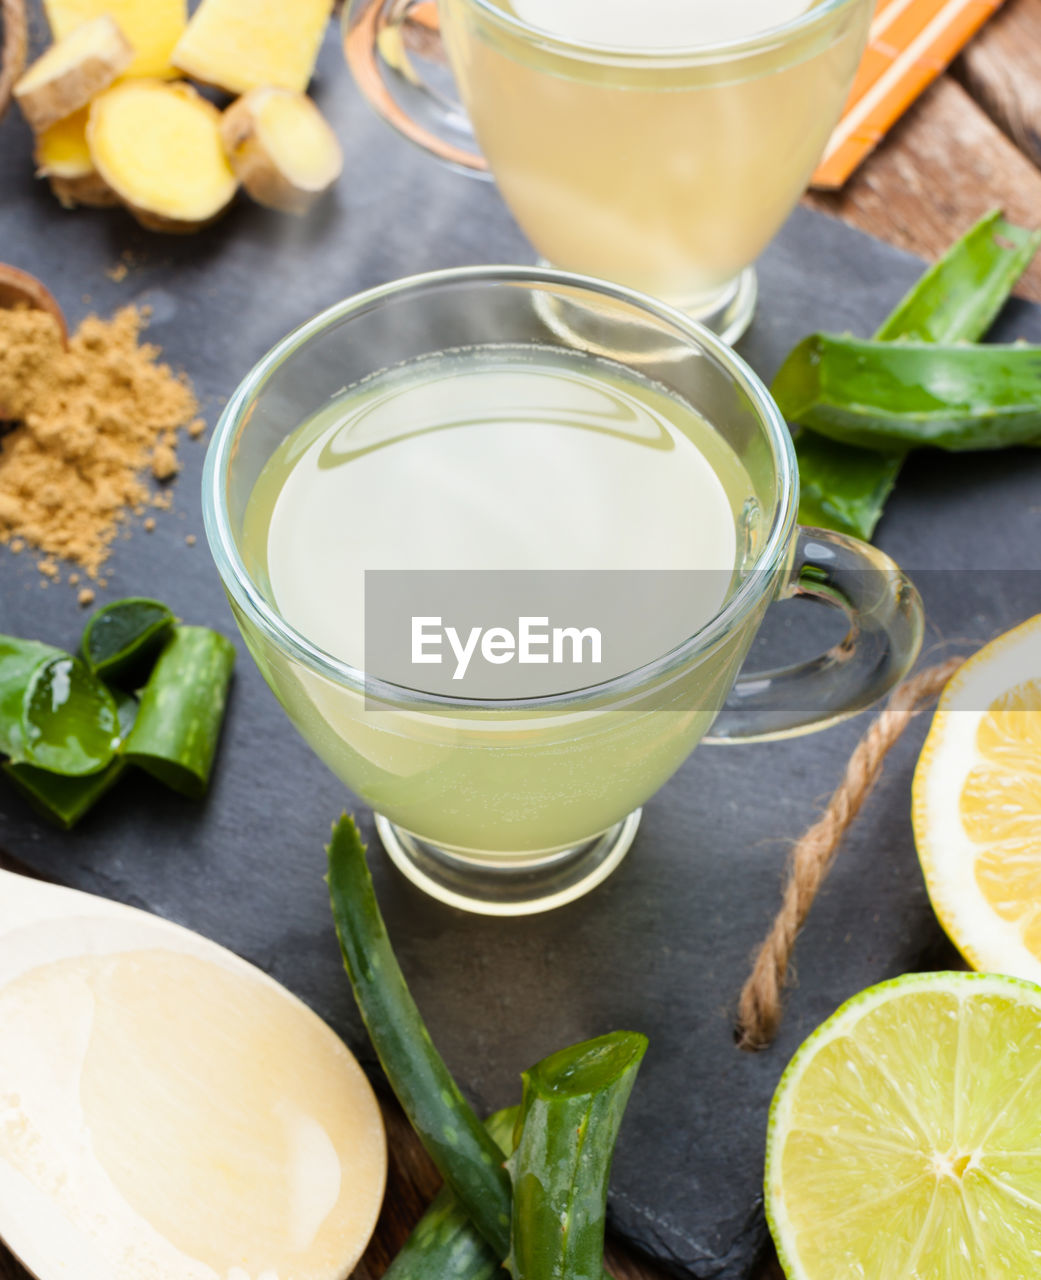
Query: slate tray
664	946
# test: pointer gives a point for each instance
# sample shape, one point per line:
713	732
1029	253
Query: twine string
761	1005
15	48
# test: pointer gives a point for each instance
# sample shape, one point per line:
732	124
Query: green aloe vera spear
845	487
445	1244
571	1113
899	395
959	297
466	1156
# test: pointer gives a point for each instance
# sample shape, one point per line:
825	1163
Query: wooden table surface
972	142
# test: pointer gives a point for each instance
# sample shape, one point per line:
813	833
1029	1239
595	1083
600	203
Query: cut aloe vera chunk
122	640
182	709
70	723
65	800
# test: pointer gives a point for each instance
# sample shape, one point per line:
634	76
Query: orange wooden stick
911	43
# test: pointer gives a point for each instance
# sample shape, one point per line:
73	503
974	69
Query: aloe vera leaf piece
445	1244
842	486
122	640
182	708
70	723
897	395
845	487
65	800
466	1157
959	297
571	1113
18	660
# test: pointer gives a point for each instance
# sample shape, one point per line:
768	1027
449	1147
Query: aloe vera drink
498	458
627	148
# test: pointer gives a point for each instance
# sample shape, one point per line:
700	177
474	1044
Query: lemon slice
977	806
905	1141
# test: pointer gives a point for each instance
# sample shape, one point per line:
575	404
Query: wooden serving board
664	946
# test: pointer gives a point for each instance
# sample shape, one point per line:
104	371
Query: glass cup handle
886	622
378	38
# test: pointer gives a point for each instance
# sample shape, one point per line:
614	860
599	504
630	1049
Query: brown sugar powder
91	421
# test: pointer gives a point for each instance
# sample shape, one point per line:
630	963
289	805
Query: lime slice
905	1136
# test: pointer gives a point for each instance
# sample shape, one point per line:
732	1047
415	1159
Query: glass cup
513	805
668	171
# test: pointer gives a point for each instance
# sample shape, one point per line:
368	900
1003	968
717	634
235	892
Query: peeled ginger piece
239	45
63	157
281	148
158	147
153	27
71	72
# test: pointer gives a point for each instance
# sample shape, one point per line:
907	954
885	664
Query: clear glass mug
513	806
665	171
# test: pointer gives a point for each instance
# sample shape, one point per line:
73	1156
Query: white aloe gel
660	172
496	458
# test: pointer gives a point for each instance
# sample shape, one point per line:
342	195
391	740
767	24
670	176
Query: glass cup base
601	331
498	889
728	313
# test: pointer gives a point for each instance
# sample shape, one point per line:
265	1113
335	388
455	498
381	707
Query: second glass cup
660	145
441	424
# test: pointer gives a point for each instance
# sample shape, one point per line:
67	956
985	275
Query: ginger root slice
157	145
71	72
88	189
281	147
153	27
238	45
63	158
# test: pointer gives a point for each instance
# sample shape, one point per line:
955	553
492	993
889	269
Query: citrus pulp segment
977	806
904	1138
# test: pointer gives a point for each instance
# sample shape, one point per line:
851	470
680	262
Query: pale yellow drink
626	149
498	458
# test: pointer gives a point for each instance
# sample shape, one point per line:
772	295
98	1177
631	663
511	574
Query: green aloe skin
64	800
899	395
466	1156
845	479
571	1113
54	713
122	640
181	710
445	1244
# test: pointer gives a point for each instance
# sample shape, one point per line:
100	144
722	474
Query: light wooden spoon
167	1111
